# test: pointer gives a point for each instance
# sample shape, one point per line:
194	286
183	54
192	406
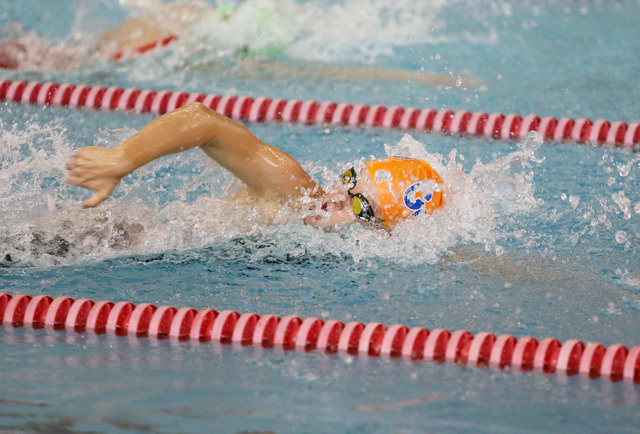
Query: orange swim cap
405	187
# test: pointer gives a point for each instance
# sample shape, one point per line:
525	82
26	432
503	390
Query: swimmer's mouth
317	213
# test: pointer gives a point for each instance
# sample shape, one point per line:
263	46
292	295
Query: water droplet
621	237
383	175
624	169
623	203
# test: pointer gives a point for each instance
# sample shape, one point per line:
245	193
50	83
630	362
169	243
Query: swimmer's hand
98	169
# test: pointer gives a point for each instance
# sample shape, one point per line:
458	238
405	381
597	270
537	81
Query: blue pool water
540	240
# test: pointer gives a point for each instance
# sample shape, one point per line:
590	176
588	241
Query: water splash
611	208
478	203
355	30
42	224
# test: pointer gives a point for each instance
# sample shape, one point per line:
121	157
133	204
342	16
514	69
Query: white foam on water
355	30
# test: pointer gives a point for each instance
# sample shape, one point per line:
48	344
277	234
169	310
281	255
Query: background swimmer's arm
131	35
267	171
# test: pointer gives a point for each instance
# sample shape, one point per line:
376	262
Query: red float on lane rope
286	331
36	310
182	322
203	324
632	136
274	111
435	346
140	319
99	316
547	128
57	312
455	346
529	123
371	339
160	322
591	360
477	123
546	356
409	118
569	357
350	338
118	321
308	333
31	91
413	346
613	362
393	117
4	300
632	366
460	121
425	119
244	328
15	310
329	336
224	325
393	341
480	349
493	127
78	314
265	330
502	351
524	353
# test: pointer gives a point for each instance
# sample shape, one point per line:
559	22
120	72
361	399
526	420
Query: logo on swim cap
415	199
405	187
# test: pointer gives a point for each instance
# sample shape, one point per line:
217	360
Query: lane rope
591	360
262	109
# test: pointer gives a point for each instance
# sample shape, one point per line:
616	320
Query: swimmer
159	25
384	192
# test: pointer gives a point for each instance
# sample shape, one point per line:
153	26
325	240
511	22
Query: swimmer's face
336	208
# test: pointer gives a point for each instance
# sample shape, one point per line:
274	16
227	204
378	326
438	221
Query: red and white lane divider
496	125
548	355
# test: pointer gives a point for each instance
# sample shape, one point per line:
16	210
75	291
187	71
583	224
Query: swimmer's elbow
197	110
194	114
217	129
204	115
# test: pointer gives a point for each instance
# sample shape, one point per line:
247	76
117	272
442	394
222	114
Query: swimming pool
544	242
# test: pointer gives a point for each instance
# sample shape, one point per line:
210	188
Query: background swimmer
258	35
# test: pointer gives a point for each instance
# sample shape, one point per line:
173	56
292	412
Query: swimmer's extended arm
267	171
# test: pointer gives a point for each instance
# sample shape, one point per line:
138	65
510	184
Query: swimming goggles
359	204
